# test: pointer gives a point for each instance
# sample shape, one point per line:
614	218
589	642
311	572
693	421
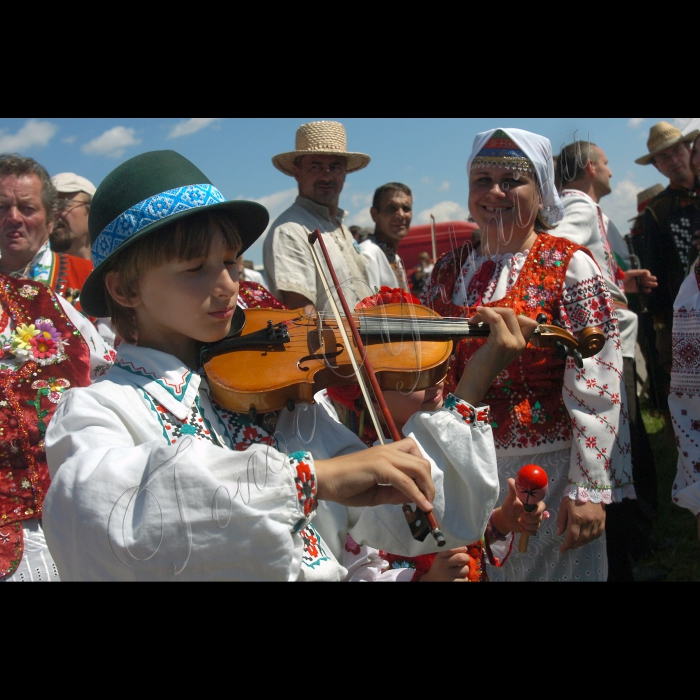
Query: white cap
70	182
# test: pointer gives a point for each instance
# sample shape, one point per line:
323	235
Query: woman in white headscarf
546	410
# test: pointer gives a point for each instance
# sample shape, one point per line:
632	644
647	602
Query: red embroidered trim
526	399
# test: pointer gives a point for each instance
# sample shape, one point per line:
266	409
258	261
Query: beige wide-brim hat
663	135
645	196
324	139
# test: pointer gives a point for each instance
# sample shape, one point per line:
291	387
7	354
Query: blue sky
429	155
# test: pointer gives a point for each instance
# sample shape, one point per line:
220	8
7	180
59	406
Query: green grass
674	546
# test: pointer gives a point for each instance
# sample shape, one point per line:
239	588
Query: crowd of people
120	458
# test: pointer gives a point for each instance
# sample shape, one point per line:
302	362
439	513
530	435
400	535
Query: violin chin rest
237	322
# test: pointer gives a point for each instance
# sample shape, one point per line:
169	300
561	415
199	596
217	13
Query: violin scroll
590	342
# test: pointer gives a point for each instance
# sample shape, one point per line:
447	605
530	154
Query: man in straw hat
319	164
669	223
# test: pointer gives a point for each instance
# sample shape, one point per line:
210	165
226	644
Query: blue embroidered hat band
500	151
149	211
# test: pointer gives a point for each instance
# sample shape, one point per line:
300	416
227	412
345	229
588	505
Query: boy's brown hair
185	239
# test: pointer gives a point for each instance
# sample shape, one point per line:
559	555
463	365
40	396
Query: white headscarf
538	150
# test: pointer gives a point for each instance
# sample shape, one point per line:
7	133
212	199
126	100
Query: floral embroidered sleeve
101	354
467	413
600	467
684	399
305	479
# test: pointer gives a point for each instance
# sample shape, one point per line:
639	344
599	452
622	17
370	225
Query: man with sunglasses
71	233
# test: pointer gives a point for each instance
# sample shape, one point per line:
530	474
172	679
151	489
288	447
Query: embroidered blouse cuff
466	412
302	464
576	492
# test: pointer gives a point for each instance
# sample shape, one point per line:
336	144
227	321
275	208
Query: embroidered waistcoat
29	393
68	275
526	398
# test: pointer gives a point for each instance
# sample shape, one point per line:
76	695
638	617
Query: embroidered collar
694	191
500	257
321	210
161	375
385	248
38	265
578	193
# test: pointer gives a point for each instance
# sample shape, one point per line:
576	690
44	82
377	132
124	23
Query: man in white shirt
392	212
583	177
319	164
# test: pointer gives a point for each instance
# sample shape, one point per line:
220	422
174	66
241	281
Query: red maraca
531	488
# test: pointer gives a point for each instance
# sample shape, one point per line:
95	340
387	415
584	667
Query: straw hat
644	197
321	138
663	135
141	196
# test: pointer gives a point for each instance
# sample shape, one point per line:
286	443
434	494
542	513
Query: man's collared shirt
289	266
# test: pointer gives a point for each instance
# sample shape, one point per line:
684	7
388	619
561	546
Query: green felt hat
142	195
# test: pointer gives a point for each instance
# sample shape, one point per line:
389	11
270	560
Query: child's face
182	303
402	406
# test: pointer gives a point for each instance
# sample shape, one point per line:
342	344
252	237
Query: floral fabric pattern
540	403
684	400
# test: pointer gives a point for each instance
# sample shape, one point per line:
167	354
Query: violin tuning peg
290	405
561	352
578	358
270	422
253	414
542	318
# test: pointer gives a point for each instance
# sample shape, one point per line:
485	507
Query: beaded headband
501	151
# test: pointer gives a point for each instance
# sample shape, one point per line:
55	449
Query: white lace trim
500	257
607	496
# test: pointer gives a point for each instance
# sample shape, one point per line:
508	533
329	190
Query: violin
275	358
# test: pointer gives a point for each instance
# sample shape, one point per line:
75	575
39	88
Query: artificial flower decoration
28	291
38	341
42	348
52	388
22	336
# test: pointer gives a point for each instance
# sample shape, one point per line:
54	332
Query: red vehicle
449	235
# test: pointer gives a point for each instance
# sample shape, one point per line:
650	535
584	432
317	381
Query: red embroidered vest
68	276
526	399
57	358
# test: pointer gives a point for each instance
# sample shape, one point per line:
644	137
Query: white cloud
112	143
363	218
69	139
275	203
693	123
444	187
33	133
442	211
426	180
634	122
360	200
680	122
191	126
621	204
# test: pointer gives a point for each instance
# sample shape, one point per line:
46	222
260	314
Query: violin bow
416	519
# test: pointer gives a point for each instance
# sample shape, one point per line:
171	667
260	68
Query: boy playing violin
151	480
